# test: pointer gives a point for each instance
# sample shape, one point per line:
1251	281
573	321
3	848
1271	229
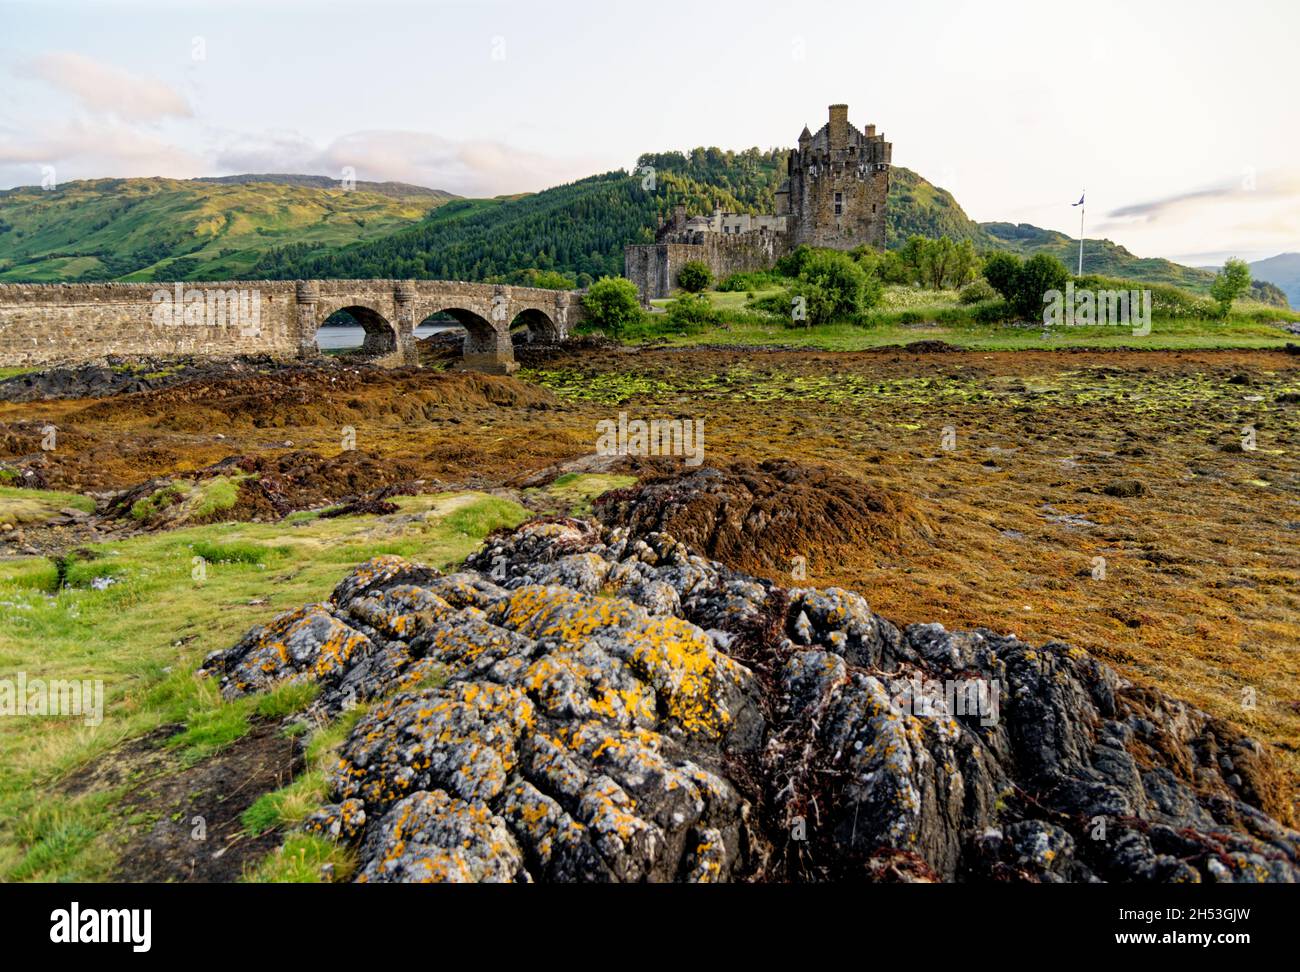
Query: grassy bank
173	598
908	314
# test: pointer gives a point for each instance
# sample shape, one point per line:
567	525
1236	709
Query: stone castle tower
834	195
837	185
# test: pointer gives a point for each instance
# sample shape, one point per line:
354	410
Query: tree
912	255
612	303
965	260
694	276
892	269
1231	282
938	261
1039	274
1002	270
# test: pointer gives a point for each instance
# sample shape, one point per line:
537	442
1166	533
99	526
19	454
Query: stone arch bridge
43	324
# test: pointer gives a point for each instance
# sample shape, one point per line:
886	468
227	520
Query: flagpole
1082	208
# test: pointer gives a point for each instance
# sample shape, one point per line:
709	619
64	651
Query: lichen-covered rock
309	644
431	837
343	822
588	704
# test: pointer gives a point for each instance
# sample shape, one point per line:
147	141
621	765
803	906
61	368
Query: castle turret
838	185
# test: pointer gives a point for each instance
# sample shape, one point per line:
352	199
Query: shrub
692	312
1022	285
830	285
990	312
694	276
976	292
748	281
1039	274
793	263
612	303
778	304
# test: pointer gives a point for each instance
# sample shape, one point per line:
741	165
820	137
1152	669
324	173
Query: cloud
1250	189
469	168
92	149
120	132
107	89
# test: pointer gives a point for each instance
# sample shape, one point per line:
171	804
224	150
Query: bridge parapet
44	324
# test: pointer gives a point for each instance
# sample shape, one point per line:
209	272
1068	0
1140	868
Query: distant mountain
195	229
1282	270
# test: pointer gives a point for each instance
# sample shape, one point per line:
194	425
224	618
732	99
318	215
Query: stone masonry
47	324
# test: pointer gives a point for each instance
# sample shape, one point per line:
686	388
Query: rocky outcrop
585	704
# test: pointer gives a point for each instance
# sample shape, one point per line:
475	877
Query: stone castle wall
653	267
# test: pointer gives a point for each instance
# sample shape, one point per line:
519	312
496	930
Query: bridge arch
541	326
487	343
381	334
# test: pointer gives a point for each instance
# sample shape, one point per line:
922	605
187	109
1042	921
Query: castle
834	195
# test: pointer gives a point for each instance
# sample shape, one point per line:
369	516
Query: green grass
19	506
145	635
302	860
216	495
291	805
910	314
234	553
198	501
149	506
572	493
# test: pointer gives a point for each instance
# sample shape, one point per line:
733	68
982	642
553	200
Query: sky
1178	118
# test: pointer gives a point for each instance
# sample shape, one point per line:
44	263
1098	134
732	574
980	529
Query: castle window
839	204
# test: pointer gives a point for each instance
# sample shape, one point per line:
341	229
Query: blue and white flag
1080	202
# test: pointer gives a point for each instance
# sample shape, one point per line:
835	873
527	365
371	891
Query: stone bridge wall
44	324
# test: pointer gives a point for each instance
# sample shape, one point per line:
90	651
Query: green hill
146	229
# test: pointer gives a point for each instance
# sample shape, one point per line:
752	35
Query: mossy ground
19	506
